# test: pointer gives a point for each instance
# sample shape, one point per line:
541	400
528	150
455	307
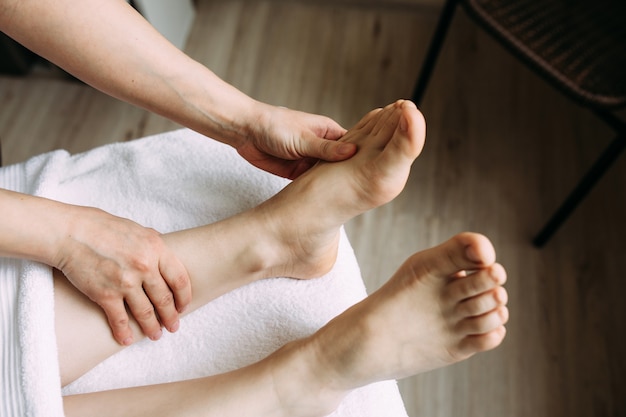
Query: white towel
30	373
170	182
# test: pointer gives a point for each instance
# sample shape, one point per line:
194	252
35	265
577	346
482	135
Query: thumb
327	149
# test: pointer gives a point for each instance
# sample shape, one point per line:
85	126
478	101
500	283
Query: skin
108	45
443	305
231	253
431	313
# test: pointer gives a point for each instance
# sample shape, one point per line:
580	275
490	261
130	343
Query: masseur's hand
151	73
287	142
118	263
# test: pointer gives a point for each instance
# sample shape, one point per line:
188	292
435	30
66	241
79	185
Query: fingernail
345	149
156	336
128	341
174	327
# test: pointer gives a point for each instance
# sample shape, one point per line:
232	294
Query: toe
388	120
476	283
485	323
483	342
366	123
409	134
465	251
482	303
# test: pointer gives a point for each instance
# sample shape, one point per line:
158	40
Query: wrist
65	219
213	107
32	227
53	221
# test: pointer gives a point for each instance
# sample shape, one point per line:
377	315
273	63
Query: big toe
406	140
463	252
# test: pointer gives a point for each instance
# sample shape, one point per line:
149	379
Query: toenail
503	312
500	295
496	274
404	124
472	254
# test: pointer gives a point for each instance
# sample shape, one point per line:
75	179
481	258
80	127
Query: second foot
442	306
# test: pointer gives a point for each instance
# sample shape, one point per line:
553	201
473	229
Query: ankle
302	381
295	249
265	252
352	349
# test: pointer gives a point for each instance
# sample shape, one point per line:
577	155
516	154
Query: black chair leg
598	169
439	36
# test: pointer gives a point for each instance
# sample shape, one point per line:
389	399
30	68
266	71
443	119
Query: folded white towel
30	372
170	182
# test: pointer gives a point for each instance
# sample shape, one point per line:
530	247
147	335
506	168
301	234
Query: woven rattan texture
579	44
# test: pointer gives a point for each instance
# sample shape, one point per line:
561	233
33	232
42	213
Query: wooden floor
502	151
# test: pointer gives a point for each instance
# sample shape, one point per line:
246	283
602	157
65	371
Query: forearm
107	44
219	258
118	264
31	227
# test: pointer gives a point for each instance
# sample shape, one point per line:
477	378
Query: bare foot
307	214
442	306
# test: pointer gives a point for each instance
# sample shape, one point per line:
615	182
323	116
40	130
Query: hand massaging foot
307	214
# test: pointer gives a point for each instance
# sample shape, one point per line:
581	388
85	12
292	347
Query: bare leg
442	306
431	313
293	234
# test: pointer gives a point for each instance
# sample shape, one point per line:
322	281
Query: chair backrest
578	45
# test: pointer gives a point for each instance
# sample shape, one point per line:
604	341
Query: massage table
170	181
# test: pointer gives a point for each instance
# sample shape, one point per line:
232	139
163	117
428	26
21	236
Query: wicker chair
578	46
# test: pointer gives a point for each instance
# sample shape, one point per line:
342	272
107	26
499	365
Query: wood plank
503	149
